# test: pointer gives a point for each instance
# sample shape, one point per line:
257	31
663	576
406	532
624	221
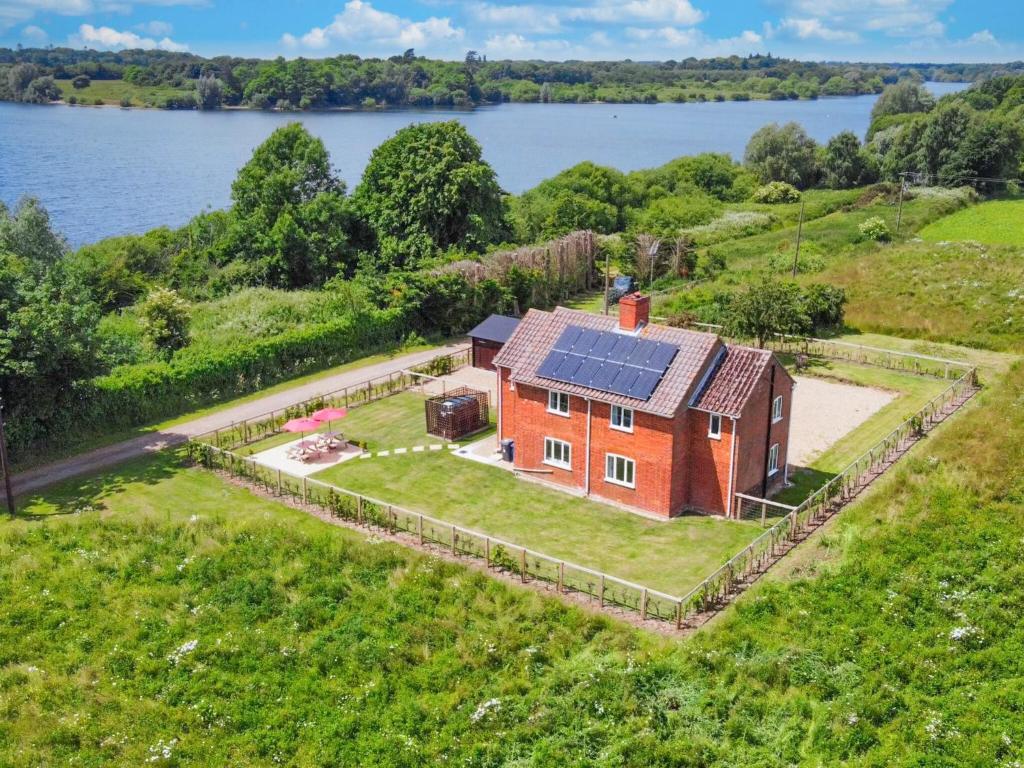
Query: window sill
622	429
558	465
563	414
620	483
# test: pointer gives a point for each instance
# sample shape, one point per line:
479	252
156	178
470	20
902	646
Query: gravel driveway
824	411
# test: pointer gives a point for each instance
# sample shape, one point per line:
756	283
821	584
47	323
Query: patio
284	457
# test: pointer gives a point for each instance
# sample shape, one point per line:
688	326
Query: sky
835	30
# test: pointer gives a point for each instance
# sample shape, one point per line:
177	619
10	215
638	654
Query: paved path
42	476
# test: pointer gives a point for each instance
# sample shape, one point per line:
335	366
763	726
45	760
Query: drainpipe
732	467
768	433
500	430
586	470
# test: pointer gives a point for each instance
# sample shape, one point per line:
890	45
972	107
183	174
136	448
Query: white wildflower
182	651
488	706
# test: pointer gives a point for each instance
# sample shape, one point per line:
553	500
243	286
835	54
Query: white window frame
555	400
567	449
712	432
610	466
622	410
777	409
773	460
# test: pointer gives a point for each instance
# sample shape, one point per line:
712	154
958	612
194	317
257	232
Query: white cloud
19	11
521	18
515	46
34	35
639	11
109	38
360	21
897	18
158	28
982	37
814	29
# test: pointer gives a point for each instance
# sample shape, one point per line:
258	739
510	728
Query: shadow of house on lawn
803	481
89	491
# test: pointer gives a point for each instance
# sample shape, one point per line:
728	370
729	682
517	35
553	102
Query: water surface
108	171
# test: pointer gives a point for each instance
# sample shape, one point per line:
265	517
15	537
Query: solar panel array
608	361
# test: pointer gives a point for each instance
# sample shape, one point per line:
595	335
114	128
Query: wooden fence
527	564
603	589
769	546
257	428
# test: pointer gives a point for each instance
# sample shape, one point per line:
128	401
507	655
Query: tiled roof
495	328
733	381
537	332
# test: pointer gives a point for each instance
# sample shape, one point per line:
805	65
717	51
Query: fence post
279	482
359	509
305	492
679	615
522	563
600	593
561	575
419	528
455	541
216	437
643	604
764	513
487	551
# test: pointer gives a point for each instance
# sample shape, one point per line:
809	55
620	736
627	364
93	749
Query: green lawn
997	222
398	421
112	91
672	555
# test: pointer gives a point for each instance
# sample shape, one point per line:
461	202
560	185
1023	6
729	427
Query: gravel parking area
824	411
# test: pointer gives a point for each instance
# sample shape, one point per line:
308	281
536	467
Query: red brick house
659	419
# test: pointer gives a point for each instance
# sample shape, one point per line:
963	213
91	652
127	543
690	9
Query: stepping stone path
415	449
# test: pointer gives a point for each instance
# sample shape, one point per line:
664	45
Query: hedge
134	395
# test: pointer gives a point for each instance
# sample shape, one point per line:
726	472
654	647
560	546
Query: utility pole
799	235
5	465
607	278
899	213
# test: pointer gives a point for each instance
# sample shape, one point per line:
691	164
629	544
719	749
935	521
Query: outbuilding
489	337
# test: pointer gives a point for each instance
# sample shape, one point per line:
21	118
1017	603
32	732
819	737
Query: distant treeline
409	80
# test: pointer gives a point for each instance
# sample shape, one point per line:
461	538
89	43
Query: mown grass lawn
672	555
997	222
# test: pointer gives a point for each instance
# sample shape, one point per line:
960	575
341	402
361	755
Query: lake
108	171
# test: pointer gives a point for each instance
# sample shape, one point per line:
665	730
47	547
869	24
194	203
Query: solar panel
608	361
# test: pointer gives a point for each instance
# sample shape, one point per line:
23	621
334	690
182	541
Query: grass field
113	91
165	614
962	293
997	222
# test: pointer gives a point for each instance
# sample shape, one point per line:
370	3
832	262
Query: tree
165	319
426	189
846	164
18	78
209	92
28	233
290	168
42	90
80	81
904	97
761	311
291	222
782	153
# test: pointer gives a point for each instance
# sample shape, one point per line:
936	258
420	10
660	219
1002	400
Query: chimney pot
634	311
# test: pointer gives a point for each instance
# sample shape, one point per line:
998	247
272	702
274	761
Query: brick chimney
634	311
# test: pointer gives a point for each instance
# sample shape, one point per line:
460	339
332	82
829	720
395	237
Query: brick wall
710	460
752	456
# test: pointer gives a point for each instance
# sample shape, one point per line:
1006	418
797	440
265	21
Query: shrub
165	317
875	229
776	192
